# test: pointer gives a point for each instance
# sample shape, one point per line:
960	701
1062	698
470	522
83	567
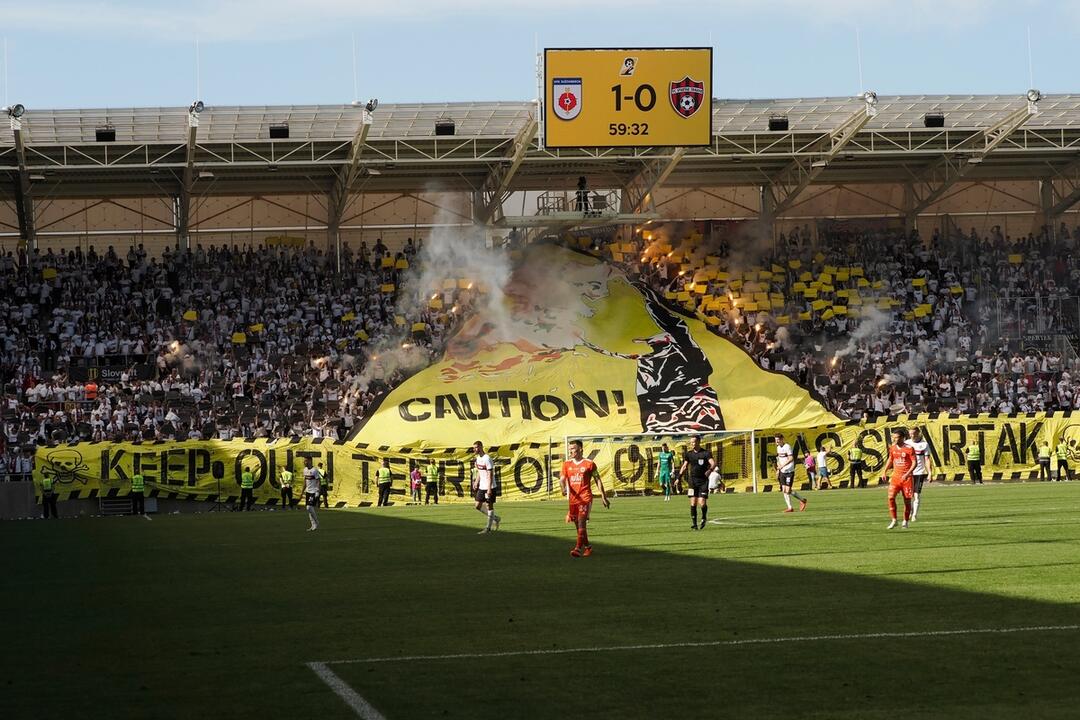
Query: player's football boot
904	525
788	510
576	552
892	524
587	550
802	505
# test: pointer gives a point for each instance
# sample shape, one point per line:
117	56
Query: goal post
629	463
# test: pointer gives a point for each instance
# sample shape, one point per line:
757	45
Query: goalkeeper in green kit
666	460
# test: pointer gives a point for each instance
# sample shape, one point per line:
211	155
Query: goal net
630	464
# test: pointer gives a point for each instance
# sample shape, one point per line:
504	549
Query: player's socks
490	518
914	508
787	500
797	496
907	511
693	514
704	515
892	509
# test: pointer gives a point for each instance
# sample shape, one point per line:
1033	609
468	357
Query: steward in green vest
48	497
286	490
247	489
138	499
855	467
385	480
431	488
1044	461
974	463
1063	461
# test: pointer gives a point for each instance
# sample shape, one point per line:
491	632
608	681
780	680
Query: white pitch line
701	644
360	706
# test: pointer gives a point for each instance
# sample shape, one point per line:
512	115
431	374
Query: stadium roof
233	153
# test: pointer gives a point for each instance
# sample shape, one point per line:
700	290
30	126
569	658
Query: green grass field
208	616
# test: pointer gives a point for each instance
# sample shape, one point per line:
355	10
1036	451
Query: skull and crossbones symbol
65	466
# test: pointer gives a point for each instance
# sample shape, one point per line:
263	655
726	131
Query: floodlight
196	107
1034	95
18	109
372	104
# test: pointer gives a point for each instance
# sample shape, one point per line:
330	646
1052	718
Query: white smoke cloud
873	322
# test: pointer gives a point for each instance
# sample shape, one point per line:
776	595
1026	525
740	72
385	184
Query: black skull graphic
65	466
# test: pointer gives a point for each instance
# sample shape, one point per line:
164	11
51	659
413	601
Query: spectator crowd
284	341
213	342
879	322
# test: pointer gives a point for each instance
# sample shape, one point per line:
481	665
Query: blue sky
119	53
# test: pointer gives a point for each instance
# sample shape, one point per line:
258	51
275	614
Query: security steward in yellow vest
138	498
247	489
855	467
287	490
385	480
431	486
974	463
1063	460
1044	461
48	497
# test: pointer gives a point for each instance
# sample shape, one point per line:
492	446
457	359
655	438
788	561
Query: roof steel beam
23	195
786	186
1070	177
639	192
488	200
346	175
933	181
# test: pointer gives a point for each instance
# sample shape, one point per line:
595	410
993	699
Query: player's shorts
786	479
482	496
579	510
918	480
906	488
698	488
311	498
665	479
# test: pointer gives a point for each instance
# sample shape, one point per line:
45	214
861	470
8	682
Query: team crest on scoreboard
566	97
687	96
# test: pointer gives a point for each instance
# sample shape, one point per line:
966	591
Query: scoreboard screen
627	97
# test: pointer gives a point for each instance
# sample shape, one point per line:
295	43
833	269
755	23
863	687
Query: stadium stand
880	322
280	348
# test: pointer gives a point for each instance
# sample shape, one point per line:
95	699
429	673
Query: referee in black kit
700	463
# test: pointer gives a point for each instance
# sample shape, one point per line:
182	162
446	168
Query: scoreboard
632	97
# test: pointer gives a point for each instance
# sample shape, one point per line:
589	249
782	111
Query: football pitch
405	612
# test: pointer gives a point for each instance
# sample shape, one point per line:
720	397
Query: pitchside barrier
211	469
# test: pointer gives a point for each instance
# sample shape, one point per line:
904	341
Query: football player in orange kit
902	462
577	478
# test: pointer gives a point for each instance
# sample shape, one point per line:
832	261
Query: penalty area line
353	699
700	644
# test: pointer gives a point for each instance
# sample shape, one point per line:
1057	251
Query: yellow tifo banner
1009	445
211	469
193	469
578	348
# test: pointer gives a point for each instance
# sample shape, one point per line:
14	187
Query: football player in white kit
922	467
483	486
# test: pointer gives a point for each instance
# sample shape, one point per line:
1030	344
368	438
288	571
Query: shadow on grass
215	617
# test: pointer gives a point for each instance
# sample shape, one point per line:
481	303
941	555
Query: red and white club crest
687	96
566	97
